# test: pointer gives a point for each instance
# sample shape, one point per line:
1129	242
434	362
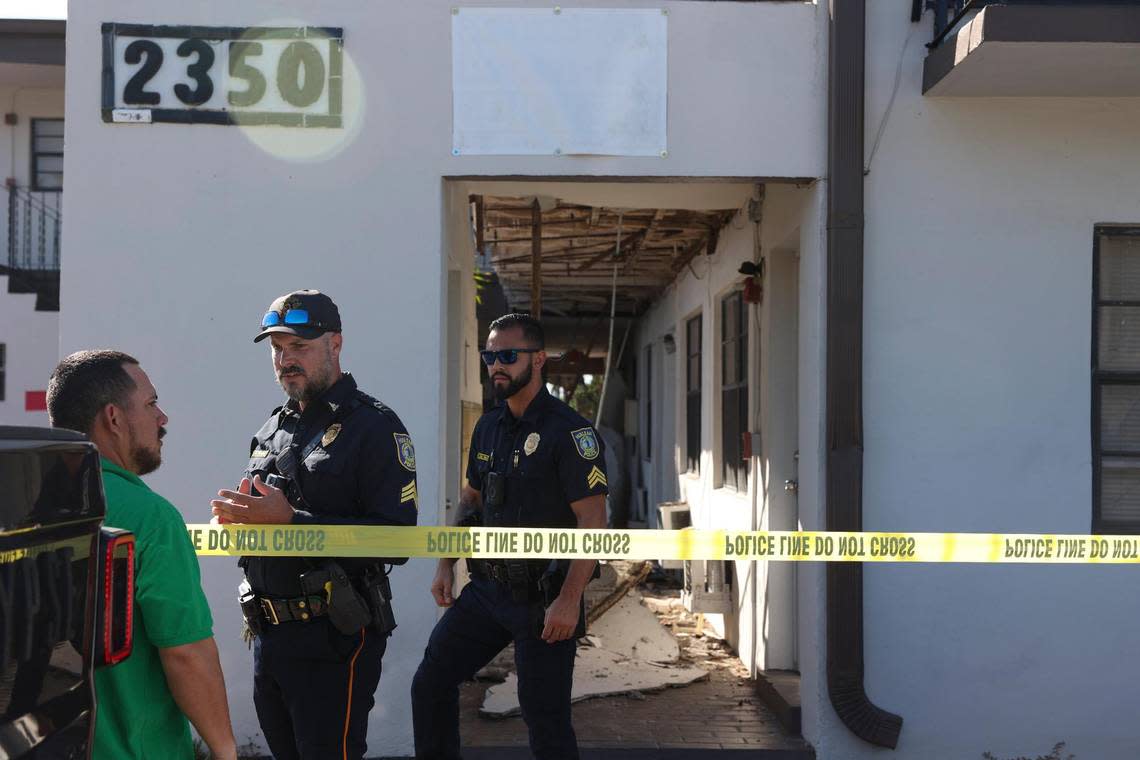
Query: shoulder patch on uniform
405	451
587	442
596	478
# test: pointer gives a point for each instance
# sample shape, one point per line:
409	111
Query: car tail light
116	598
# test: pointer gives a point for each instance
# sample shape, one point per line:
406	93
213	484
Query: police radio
495	489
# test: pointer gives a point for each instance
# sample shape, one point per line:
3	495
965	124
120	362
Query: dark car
66	591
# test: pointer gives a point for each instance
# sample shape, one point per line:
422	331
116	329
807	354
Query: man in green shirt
173	672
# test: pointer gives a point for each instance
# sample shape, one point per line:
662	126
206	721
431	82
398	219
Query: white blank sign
534	81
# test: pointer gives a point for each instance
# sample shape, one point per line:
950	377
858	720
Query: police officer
534	463
331	455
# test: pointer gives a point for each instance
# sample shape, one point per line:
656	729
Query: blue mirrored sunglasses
506	356
291	317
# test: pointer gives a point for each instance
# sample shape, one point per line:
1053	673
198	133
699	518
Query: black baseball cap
307	314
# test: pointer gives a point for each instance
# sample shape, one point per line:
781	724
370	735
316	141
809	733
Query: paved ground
720	713
701	720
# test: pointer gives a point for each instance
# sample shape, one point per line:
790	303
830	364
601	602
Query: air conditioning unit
673	515
707	587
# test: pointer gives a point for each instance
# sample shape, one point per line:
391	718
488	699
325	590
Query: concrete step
780	691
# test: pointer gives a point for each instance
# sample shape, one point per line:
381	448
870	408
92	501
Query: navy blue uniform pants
481	622
313	688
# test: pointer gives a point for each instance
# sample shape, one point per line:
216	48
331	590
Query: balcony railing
948	14
35	220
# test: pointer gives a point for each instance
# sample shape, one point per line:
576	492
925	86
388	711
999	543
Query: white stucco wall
762	628
30	92
31	337
178	236
980	217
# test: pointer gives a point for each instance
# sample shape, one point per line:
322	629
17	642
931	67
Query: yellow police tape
688	544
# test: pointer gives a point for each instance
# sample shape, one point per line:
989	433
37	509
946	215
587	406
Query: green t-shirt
136	715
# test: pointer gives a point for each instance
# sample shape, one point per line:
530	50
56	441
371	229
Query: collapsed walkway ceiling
563	254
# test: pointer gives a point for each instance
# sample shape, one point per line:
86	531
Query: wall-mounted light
752	269
670	343
754	285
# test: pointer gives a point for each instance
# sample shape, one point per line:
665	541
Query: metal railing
35	220
948	14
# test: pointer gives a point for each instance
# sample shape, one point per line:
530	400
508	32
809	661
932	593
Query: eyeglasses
291	317
506	356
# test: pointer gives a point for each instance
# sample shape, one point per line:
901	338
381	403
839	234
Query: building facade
31	214
996	294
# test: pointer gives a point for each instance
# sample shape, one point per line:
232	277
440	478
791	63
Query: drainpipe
844	411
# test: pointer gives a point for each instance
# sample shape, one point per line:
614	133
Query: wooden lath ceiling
578	251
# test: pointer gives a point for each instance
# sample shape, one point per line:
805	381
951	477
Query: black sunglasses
506	356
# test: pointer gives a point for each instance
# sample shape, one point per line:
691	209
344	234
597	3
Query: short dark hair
85	382
531	328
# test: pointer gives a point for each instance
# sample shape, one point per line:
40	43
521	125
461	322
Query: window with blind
733	390
47	154
3	370
693	394
1116	380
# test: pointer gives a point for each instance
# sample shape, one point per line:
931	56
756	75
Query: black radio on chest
495	489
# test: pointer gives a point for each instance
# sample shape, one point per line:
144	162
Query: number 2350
295	89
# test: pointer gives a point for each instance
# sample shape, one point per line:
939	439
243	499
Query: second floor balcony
1032	48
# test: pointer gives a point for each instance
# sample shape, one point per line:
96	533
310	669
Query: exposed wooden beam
536	260
688	254
639	245
632	241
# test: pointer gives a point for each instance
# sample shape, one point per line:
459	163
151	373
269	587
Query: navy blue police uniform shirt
550	457
361	471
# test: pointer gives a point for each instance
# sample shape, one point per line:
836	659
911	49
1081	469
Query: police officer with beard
332	455
534	463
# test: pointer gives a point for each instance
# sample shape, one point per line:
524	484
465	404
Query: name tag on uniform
259	454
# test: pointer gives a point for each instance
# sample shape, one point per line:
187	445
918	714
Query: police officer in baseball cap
331	455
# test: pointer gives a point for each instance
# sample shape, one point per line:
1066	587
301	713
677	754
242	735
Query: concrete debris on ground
598	673
633	648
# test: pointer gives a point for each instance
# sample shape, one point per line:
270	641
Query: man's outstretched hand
253	502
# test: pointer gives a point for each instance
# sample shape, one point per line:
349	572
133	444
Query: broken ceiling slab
630	629
597	673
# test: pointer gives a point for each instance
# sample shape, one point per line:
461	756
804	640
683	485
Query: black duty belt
496	571
299	609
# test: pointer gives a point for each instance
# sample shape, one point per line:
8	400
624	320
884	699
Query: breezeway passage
688	544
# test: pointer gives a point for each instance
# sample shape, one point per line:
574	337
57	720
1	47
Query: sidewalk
711	718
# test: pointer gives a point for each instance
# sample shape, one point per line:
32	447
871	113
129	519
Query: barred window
693	394
1116	381
47	154
647	439
733	390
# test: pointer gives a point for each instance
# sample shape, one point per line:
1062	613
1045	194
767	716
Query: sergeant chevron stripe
596	478
409	493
